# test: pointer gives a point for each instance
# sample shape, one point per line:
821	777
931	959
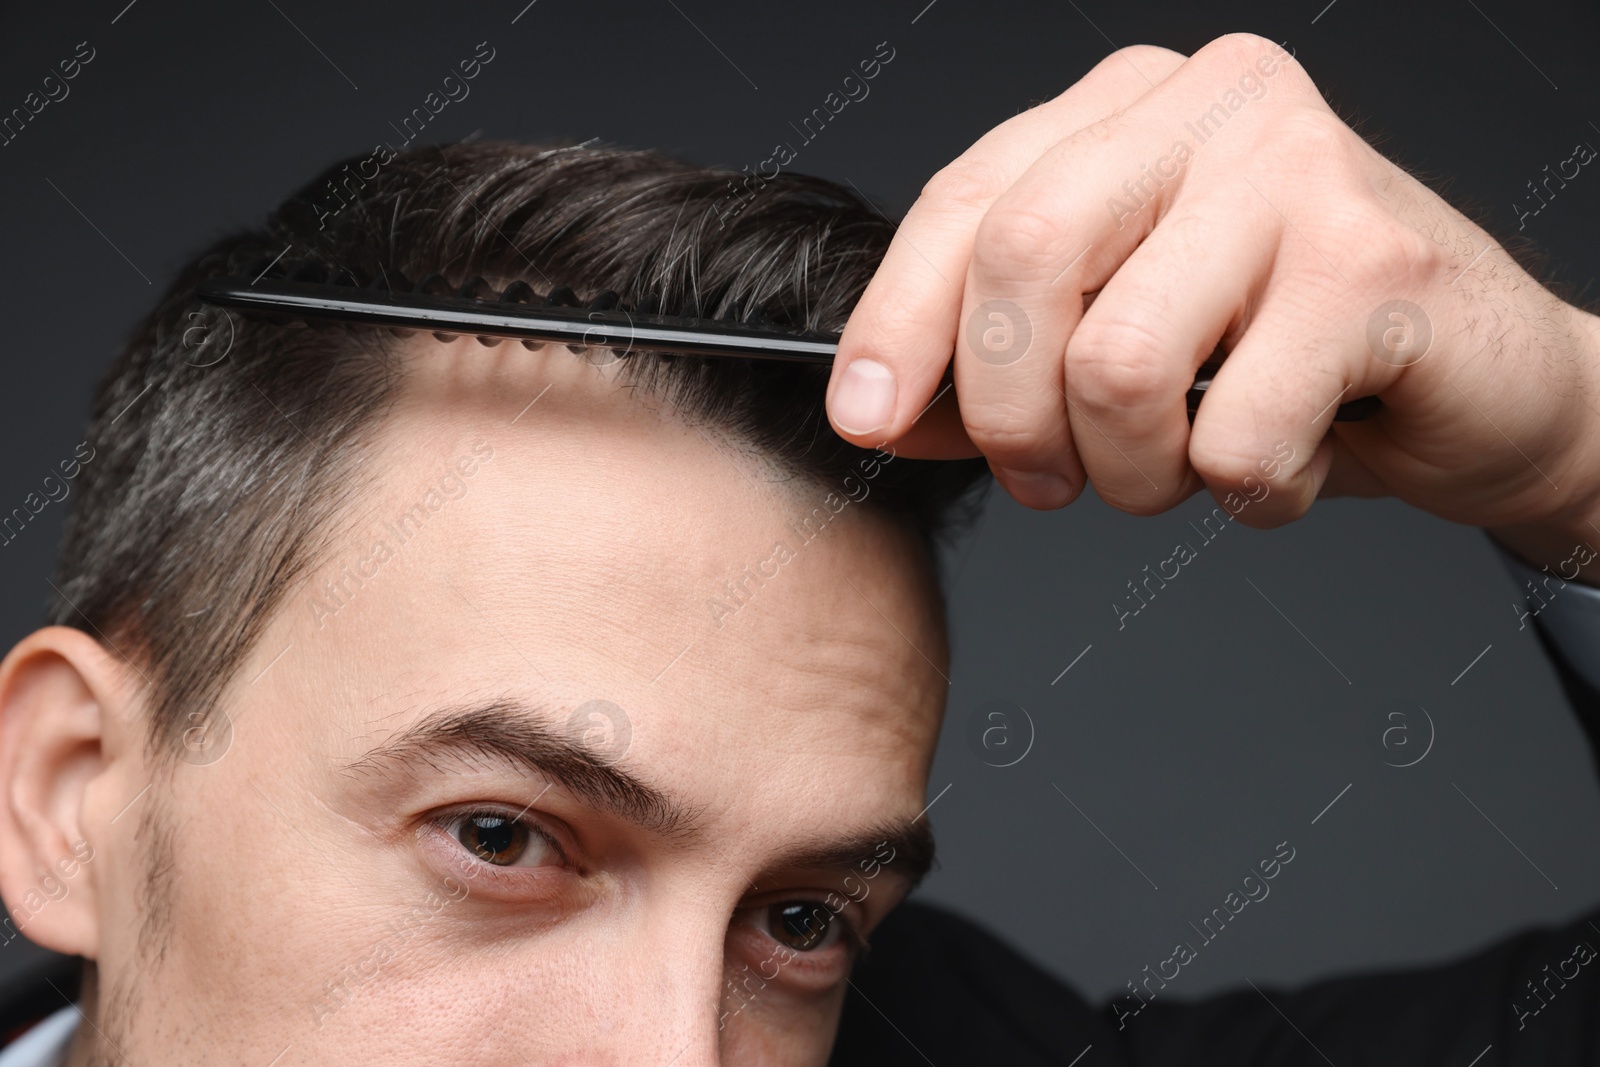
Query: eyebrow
511	732
911	859
521	735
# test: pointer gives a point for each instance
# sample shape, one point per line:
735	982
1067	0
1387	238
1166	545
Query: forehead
528	528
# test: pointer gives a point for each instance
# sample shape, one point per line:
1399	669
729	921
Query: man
413	701
405	684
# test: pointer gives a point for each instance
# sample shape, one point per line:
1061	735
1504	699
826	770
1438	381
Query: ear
62	699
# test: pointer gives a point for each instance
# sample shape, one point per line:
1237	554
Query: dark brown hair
217	478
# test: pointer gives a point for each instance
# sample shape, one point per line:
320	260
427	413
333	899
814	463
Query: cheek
797	1032
267	906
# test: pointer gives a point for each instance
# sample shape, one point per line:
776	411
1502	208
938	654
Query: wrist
1568	540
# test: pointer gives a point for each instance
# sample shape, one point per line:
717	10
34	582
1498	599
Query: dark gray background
1190	743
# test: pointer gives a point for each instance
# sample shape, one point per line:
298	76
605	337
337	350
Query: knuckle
1018	239
1118	79
1114	365
1231	52
1006	431
1392	254
1222	469
1151	53
1296	81
1313	134
889	323
1135	64
1261	490
1234	47
965	183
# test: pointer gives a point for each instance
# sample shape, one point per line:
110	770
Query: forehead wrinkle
511	733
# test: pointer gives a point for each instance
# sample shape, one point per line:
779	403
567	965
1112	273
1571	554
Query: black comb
475	309
517	313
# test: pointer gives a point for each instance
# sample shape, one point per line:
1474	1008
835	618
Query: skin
1281	235
576	564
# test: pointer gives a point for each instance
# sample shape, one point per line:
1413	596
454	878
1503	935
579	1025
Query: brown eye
803	925
493	838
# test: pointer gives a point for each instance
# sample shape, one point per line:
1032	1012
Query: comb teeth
480	290
476	288
313	294
519	292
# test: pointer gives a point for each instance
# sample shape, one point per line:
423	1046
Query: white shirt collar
46	1044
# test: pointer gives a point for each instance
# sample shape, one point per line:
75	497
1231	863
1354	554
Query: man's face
516	777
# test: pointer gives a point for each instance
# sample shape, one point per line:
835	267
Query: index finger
902	333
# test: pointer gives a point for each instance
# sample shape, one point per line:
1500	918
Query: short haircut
217	481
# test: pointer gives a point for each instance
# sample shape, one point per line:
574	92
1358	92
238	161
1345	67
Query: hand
1218	199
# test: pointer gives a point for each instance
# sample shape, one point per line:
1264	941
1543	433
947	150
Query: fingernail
1042	489
864	398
